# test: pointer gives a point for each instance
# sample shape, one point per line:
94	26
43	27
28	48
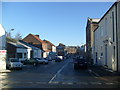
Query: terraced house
106	51
45	45
92	24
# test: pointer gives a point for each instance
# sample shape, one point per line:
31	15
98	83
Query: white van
13	63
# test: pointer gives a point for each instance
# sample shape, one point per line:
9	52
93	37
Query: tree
18	36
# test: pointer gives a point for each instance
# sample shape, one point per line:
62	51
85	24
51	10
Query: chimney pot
37	35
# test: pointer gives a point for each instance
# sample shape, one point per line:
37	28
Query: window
113	25
25	55
19	55
101	54
105	26
101	47
101	30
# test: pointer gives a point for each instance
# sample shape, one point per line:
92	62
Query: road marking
69	83
58	73
98	83
53	78
54	82
41	82
109	83
83	83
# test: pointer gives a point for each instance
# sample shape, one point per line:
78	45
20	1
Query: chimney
37	35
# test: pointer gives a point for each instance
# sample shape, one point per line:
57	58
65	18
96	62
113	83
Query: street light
9	33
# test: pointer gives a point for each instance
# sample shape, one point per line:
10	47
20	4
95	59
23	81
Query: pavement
5	71
105	73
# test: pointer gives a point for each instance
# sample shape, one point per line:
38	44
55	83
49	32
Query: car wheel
34	64
85	67
9	67
75	67
43	62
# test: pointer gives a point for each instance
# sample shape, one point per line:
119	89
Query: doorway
106	59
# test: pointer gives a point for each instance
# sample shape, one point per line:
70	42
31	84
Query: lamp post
9	33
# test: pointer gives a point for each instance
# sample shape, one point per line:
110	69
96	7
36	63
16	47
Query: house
71	49
106	51
45	45
34	40
16	50
60	49
92	24
2	48
32	52
48	47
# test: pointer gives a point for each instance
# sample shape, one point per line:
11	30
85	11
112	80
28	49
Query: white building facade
32	52
105	49
2	38
2	48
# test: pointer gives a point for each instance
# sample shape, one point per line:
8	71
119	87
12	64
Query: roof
37	38
17	45
29	45
46	41
94	19
118	1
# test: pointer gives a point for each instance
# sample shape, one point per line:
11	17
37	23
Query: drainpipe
116	36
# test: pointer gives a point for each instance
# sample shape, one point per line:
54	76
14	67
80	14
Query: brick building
92	24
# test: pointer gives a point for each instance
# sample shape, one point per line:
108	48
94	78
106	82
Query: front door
106	55
96	58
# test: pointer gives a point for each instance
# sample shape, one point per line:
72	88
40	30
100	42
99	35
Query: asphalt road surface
54	75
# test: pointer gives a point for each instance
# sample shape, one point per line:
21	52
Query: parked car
49	58
12	63
61	57
80	62
42	60
31	61
57	59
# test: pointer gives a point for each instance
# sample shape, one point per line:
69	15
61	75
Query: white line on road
97	83
52	78
69	83
109	83
58	72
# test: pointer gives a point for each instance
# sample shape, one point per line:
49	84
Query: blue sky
58	22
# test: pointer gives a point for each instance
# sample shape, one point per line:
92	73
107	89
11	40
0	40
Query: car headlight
11	64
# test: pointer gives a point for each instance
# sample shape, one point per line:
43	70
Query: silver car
42	60
13	63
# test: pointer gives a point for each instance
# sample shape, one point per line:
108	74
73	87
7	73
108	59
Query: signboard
2	59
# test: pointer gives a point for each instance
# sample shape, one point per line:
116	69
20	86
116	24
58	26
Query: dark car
31	61
80	62
57	59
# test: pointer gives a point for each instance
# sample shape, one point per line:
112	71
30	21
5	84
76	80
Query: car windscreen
14	60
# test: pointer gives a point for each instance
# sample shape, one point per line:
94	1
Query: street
54	75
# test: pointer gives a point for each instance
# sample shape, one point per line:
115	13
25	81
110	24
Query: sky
58	22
